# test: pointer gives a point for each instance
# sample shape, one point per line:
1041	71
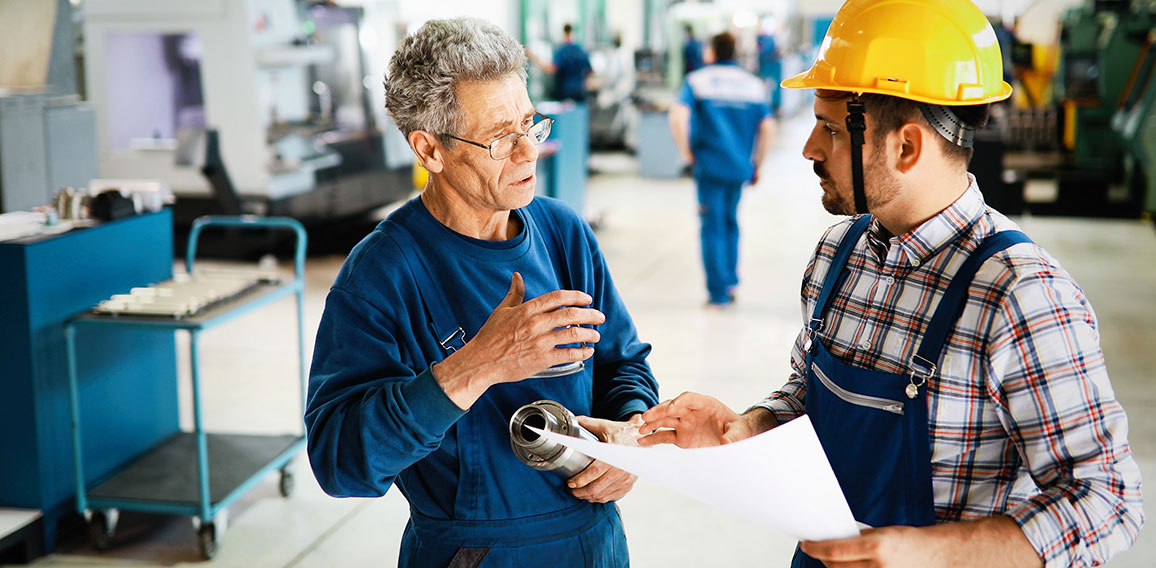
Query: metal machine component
545	455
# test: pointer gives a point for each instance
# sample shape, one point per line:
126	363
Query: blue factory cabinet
129	377
657	153
563	174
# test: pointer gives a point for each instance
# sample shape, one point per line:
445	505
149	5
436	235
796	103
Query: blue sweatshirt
376	416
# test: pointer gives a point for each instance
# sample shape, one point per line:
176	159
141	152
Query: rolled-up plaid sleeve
1048	378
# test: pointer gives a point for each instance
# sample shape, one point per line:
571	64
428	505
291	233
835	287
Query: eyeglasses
503	147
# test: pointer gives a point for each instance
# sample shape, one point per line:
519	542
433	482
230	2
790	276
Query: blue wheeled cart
192	473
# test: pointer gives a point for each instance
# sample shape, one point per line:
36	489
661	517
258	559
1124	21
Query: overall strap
837	271
954	299
549	231
448	334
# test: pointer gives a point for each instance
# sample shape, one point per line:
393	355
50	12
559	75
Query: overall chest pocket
864	400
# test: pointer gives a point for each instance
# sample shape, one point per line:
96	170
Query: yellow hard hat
942	52
420	175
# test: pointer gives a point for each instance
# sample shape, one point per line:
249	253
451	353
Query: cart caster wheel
207	538
287	483
100	530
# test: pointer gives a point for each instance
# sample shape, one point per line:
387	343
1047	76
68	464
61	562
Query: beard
880	185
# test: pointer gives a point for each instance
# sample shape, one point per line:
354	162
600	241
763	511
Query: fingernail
572	485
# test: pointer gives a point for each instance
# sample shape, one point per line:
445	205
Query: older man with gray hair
416	373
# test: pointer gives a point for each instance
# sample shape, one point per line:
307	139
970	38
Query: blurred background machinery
1075	134
283	84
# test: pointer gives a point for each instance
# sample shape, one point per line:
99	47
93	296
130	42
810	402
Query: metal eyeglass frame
549	122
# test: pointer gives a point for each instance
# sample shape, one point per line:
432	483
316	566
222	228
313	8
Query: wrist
463	383
759	419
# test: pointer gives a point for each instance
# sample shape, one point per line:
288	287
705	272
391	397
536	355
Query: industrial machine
282	83
1135	121
1102	76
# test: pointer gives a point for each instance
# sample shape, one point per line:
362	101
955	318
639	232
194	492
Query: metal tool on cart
192	473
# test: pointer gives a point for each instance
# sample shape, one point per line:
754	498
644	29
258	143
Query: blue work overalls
873	424
585	534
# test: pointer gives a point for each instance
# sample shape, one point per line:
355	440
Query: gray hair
428	66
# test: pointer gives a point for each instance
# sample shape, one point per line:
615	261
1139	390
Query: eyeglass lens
503	147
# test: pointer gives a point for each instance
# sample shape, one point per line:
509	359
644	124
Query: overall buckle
922	369
813	328
458	335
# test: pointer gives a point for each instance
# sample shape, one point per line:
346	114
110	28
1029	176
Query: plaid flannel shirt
1022	418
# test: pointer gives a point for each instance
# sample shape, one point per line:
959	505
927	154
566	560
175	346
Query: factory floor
648	230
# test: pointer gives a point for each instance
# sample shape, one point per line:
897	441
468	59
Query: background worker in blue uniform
722	126
770	65
570	67
439	320
950	366
691	51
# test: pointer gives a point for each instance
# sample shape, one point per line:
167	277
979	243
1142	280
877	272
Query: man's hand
518	340
888	546
694	420
600	482
995	541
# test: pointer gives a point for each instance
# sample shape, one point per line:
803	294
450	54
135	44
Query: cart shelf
262	294
192	473
164	479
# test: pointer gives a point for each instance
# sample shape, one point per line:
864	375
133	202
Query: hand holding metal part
587	479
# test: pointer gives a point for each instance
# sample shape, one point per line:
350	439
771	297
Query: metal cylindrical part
540	453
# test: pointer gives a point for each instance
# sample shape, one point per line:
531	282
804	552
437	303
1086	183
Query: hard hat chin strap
856	126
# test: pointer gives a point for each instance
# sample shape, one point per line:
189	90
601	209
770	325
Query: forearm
547	66
627	390
361	436
787	403
679	121
464	378
1064	420
763	143
994	541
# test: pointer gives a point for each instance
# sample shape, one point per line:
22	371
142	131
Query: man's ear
428	150
910	140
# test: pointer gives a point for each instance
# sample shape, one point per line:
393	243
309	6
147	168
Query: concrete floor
648	231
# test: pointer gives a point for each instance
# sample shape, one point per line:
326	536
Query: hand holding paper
780	479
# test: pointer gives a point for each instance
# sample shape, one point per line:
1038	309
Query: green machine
1098	50
1104	48
1135	122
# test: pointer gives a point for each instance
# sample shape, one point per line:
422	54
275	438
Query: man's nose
525	150
811	148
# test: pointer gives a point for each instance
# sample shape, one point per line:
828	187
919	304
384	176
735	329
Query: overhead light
744	19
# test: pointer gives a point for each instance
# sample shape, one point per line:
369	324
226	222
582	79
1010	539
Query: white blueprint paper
780	478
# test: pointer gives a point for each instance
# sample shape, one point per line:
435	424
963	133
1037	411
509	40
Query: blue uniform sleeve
623	382
368	415
686	95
